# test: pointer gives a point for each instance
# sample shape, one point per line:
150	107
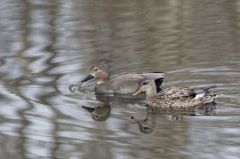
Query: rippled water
45	46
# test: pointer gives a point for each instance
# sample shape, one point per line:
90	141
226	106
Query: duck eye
144	83
95	69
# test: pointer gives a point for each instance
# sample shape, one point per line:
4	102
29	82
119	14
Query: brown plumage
175	98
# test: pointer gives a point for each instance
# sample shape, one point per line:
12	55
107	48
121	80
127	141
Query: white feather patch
200	95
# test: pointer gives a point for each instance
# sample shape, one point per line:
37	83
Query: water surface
45	46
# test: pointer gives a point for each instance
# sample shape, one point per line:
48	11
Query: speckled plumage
175	98
178	98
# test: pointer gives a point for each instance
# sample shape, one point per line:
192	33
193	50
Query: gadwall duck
176	97
125	83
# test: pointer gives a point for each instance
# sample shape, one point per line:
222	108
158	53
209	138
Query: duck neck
151	92
103	78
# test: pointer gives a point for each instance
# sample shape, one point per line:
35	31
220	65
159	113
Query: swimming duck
123	83
176	97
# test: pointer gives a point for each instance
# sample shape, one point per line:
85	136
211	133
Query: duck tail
203	90
158	83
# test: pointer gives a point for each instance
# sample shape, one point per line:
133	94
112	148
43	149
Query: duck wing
128	83
183	93
176	92
138	76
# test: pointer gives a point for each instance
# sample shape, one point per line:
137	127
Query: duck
175	98
124	83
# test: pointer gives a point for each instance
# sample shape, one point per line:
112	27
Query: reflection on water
99	113
45	46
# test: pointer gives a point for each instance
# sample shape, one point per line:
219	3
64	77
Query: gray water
48	45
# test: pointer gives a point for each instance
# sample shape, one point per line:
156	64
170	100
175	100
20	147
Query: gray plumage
125	83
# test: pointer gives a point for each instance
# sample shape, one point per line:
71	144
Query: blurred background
47	45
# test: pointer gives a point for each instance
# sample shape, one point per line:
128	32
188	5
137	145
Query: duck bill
87	78
88	109
136	93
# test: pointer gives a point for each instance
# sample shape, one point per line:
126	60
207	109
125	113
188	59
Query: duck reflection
101	112
150	122
146	125
208	109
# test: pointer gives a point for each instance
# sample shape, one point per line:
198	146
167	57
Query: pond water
48	45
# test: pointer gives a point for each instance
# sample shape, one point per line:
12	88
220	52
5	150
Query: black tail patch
157	72
158	83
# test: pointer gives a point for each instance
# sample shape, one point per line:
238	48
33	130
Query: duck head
150	87
101	112
99	74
